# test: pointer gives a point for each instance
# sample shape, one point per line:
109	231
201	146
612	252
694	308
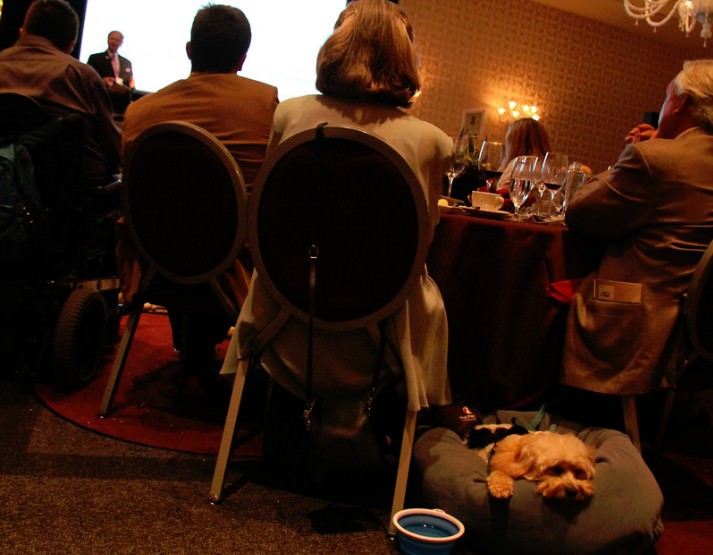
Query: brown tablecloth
505	331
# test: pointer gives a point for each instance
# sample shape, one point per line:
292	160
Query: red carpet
154	405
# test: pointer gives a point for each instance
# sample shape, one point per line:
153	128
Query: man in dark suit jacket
116	72
112	67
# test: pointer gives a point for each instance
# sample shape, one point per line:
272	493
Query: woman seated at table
524	136
367	74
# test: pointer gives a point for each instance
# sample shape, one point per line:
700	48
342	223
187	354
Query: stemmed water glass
541	205
522	182
490	159
576	177
554	176
459	160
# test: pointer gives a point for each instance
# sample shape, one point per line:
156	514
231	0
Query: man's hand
642	132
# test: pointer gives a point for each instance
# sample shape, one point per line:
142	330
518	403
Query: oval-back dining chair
695	337
339	234
185	206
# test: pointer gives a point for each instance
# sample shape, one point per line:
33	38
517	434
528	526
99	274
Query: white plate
482	212
447	209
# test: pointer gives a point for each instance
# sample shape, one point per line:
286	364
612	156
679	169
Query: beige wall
592	82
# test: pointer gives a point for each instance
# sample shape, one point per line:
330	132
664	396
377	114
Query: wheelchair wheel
78	338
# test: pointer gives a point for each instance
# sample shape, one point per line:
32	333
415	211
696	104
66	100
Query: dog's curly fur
561	464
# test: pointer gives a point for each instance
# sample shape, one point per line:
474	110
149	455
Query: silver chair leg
119	360
226	442
404	465
663	423
631	420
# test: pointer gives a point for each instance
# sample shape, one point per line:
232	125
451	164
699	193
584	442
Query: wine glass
459	161
541	204
554	177
575	179
490	159
522	182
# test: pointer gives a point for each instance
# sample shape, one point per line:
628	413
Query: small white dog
561	464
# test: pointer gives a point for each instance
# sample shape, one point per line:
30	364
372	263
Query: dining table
504	284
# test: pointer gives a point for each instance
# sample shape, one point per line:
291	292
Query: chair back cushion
356	199
698	307
56	148
184	202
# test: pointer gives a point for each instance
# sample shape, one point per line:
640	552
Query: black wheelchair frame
59	305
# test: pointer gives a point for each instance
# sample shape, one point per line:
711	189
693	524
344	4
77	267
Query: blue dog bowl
427	531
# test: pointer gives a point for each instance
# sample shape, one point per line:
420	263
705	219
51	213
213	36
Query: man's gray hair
696	80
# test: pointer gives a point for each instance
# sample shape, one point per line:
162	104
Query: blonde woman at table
367	74
655	212
524	136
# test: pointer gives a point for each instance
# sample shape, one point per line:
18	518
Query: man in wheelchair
58	150
39	66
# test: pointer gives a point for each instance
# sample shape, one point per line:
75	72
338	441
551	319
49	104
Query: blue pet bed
623	516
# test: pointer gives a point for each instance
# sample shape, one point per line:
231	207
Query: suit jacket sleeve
615	203
98	62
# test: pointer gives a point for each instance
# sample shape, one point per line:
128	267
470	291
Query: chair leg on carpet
663	423
631	420
226	442
403	471
119	360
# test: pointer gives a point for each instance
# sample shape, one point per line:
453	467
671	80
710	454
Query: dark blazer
102	63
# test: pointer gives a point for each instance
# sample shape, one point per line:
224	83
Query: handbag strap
313	258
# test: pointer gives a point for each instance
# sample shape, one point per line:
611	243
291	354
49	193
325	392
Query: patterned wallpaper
591	82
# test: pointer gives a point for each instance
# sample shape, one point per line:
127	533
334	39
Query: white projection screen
286	36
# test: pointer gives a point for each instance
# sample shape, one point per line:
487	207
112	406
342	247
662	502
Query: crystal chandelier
659	12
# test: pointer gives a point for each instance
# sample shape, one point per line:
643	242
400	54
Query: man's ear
189	51
70	47
240	63
683	103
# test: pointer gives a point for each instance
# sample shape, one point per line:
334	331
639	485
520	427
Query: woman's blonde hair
525	136
370	55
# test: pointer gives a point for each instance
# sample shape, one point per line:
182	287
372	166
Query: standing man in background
110	65
116	72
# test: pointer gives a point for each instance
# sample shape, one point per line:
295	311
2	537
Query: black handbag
334	444
347	445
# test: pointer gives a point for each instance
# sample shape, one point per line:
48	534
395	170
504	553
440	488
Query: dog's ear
529	457
508	457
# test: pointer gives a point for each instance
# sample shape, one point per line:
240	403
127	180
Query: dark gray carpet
67	490
64	489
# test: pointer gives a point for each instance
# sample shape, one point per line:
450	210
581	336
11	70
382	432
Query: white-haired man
655	212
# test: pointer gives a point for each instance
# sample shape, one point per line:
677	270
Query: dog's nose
571	493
